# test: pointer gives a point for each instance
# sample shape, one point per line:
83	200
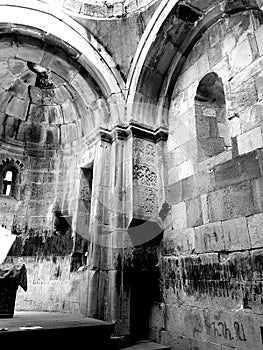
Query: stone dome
46	97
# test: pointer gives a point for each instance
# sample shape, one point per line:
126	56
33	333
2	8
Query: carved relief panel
145	179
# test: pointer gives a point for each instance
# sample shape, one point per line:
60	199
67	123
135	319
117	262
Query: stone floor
47	320
147	345
31	328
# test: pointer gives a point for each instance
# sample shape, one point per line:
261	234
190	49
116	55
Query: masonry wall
212	251
49	187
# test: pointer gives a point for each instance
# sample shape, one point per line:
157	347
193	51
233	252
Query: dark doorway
145	287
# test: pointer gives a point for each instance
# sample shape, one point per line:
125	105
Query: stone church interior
131	168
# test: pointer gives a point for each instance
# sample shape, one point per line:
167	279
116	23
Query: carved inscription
221	329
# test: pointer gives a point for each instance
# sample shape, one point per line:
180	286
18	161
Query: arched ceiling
167	41
51	92
48	103
102	8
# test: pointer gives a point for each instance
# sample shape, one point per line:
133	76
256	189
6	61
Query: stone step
148	345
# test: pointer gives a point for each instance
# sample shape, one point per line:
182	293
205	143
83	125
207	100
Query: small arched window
8	181
212	128
9	177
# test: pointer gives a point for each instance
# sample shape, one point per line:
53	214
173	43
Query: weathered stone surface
179	216
241	56
205	208
184	241
236	236
257	188
250	140
194	212
209	238
181	171
237	170
243	96
251	117
254	223
231	202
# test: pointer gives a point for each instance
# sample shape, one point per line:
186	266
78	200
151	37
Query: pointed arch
174	29
46	21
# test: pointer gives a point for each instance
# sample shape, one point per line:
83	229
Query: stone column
145	183
99	248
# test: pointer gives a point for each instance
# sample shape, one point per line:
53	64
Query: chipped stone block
209	238
250	140
248	333
202	66
205	180
166	58
259	35
237	170
231	202
218	323
236	235
260	160
255	224
181	135
175	192
30	49
17	108
176	157
184	241
204	345
181	171
244	95
228	43
215	55
188	77
257	266
189	187
180	316
259	86
179	215
257	188
241	56
205	208
251	117
194	212
11	127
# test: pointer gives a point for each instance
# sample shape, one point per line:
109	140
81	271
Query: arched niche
212	127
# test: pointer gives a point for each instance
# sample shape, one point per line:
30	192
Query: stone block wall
212	249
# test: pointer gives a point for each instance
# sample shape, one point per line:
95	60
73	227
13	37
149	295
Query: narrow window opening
212	127
8	182
81	246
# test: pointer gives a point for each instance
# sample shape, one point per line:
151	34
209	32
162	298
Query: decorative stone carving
85	193
144	152
145	201
150	152
144	175
149	201
145	178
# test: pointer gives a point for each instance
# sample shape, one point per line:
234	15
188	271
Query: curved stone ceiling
101	8
167	41
46	98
